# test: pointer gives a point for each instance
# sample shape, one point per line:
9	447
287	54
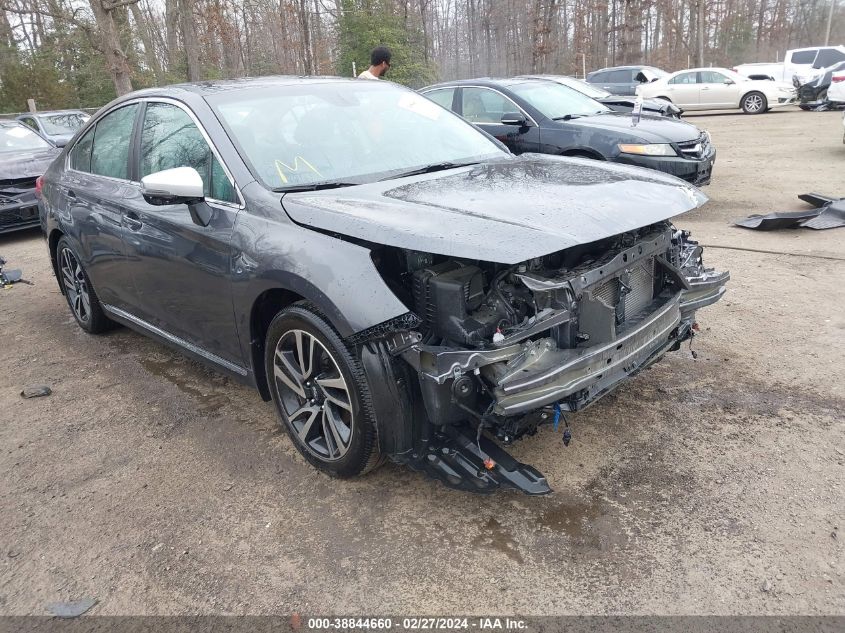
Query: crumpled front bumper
18	211
545	374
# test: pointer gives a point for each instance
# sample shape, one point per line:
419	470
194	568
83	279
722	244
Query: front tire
754	103
321	393
78	290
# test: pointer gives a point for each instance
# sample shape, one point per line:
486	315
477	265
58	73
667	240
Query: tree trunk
699	22
171	26
146	39
189	39
116	63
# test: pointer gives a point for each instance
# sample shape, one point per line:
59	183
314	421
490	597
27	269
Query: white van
802	63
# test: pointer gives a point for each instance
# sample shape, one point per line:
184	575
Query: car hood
505	211
649	105
28	164
649	129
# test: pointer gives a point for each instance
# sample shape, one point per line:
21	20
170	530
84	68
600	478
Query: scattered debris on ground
9	277
822	106
71	609
36	391
829	213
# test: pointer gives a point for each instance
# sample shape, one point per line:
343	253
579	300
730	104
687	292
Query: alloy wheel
314	394
753	103
75	285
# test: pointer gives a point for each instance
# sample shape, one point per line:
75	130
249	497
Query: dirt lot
708	485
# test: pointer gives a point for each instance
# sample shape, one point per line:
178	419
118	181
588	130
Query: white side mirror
172	186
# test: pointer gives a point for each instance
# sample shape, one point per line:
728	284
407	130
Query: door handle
132	221
706	88
71	194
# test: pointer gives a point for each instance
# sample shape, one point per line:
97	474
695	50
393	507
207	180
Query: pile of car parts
828	213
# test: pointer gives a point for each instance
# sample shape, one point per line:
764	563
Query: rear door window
804	57
112	138
170	138
442	97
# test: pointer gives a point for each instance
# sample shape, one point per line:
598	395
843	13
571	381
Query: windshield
594	92
356	131
556	101
64	123
15	138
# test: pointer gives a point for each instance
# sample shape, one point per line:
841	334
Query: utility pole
829	22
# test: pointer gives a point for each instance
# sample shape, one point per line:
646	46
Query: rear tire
754	103
78	290
321	393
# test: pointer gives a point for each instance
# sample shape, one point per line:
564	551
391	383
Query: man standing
379	63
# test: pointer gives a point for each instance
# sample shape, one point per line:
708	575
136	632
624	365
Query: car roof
693	70
487	82
207	88
52	112
624	68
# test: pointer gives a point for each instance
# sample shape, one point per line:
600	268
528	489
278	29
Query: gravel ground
705	485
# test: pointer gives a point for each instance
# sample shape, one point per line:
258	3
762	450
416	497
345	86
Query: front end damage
497	351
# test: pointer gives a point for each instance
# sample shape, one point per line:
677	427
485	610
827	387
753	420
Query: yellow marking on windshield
298	162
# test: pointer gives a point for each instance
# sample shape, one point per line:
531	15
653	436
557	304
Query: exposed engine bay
505	349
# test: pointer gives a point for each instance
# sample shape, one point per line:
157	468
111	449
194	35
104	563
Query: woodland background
81	53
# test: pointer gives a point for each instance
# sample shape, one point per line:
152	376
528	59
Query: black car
617	103
23	157
396	282
623	80
536	115
815	91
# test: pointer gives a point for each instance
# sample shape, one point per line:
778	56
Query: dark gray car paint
26	164
504	211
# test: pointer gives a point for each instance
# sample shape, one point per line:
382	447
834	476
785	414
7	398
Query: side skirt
241	374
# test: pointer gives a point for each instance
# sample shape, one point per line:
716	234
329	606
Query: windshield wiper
316	186
428	169
567	117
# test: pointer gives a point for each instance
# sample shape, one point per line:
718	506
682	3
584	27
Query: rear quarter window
80	155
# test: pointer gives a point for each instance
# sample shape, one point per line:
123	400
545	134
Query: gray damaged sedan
393	279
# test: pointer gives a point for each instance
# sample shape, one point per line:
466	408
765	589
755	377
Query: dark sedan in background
23	157
623	80
536	115
617	103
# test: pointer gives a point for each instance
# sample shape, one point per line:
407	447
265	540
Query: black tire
79	291
314	417
754	103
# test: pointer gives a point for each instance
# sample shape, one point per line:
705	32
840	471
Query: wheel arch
583	152
285	290
53	246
